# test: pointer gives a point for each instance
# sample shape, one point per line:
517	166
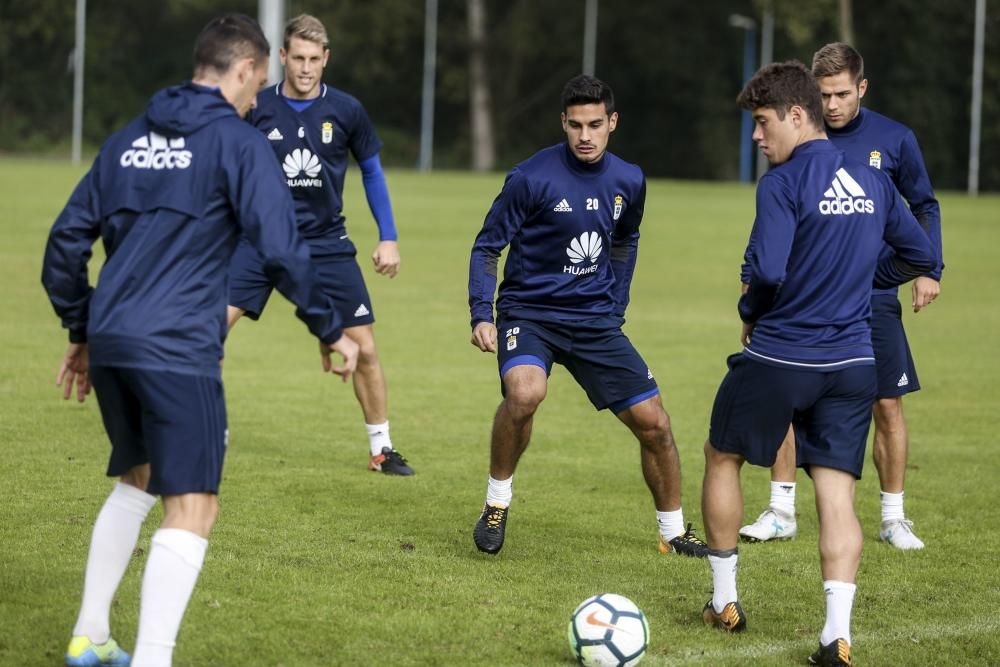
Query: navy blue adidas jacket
815	252
312	146
573	232
169	195
881	142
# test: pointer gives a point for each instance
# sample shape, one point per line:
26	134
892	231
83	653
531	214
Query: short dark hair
838	57
584	89
226	39
780	86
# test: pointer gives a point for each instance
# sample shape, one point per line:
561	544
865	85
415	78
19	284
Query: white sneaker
899	533
770	525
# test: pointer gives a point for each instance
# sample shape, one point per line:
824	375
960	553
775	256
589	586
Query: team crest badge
619	205
327	132
875	159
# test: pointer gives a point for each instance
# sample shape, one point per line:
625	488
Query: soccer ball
608	630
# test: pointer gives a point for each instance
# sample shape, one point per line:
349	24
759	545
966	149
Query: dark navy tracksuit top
169	195
573	233
814	254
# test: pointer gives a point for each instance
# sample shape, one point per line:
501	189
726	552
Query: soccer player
873	139
813	255
570	215
169	195
311	128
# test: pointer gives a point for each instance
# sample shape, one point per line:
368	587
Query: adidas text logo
588	246
275	135
845	197
298	161
157	152
563	207
903	381
361	311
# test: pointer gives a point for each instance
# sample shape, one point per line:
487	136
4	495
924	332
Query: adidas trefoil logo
275	135
845	197
361	311
903	381
588	246
563	207
298	161
154	151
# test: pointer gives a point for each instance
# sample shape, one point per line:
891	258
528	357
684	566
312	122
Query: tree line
676	68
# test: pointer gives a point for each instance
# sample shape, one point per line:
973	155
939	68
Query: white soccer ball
608	630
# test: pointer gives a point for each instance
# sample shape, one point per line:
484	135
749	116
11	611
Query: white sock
500	491
723	580
783	498
116	531
671	524
892	506
378	437
175	560
839	600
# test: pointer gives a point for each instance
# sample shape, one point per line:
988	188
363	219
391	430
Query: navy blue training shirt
881	142
573	233
814	254
312	145
169	196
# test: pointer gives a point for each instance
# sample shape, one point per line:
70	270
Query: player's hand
925	290
484	336
746	333
348	349
386	258
75	369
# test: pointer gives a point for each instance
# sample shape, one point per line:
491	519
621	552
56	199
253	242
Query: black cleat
835	654
390	462
489	531
685	545
730	619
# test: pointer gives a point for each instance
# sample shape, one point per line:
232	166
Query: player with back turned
873	139
570	215
813	255
169	195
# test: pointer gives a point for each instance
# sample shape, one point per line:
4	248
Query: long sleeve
768	249
509	211
267	217
64	267
912	254
377	193
915	185
625	250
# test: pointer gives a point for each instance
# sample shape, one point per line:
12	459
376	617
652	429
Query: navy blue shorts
831	413
596	352
338	274
173	421
897	375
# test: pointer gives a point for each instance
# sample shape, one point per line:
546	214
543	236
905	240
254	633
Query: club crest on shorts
512	337
327	132
619	205
875	159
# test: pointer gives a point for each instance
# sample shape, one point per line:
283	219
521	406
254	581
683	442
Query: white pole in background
78	52
271	15
590	38
427	98
977	97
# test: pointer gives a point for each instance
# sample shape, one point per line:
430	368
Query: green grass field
316	561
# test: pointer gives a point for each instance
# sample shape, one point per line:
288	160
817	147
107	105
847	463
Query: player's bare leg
722	508
840	542
525	387
661	468
777	522
891	445
370	390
